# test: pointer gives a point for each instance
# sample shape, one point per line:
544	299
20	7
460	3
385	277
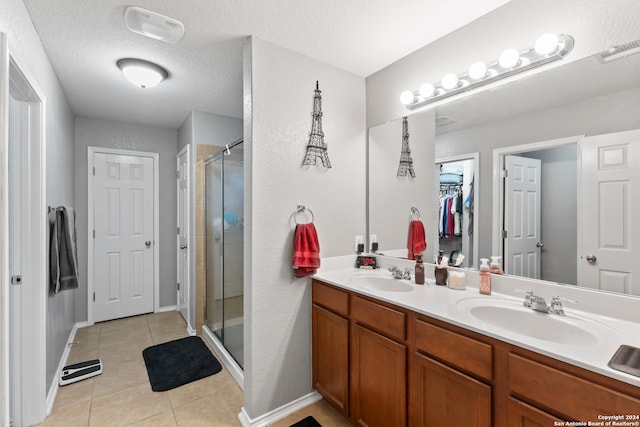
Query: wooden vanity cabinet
450	378
378	364
384	366
330	345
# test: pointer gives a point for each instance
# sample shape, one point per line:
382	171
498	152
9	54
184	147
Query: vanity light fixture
142	73
548	48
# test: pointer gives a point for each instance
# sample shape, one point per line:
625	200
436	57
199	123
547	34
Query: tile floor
122	396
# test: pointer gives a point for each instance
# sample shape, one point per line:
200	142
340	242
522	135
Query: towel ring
300	209
415	214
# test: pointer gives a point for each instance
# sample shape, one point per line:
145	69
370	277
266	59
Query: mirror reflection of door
538	229
522	235
610	173
455	179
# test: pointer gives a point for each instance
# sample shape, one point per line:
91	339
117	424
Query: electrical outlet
373	238
359	240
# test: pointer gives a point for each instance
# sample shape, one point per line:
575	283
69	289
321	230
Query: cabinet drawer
457	350
564	393
386	320
331	298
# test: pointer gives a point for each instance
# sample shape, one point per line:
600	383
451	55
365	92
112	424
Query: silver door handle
591	259
540	245
147	243
183	246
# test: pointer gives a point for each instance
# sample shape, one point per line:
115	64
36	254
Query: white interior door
522	216
609	251
184	284
124	235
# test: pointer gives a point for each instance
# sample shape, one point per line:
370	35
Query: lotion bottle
419	273
485	277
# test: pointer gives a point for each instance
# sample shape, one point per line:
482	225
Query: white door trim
34	295
185	289
497	223
476	197
91	151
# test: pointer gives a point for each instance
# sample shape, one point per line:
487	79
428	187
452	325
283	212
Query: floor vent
80	371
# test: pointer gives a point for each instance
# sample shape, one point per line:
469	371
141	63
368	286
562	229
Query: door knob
183	246
591	259
147	243
540	245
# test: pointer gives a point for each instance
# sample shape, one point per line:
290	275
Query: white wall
279	89
25	44
595	25
126	136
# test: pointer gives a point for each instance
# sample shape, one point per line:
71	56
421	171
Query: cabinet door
379	378
445	397
523	415
331	358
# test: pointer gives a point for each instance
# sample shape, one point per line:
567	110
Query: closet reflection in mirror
586	97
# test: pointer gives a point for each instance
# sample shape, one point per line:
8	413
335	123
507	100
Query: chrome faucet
538	303
399	274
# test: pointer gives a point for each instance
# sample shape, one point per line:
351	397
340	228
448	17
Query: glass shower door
224	224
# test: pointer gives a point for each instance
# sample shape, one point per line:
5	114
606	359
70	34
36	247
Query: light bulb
450	81
407	97
478	70
427	90
546	44
509	58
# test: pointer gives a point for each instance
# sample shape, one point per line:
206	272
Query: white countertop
443	303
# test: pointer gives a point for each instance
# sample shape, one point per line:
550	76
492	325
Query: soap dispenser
495	268
419	273
441	271
485	277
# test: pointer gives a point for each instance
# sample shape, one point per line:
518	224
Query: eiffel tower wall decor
406	162
316	147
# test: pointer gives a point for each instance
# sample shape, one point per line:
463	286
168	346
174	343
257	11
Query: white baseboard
278	413
53	389
167	308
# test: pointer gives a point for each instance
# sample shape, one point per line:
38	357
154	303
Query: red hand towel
417	241
306	250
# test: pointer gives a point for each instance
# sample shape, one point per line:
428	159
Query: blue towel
63	255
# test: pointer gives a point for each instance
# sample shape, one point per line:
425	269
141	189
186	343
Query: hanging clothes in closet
450	210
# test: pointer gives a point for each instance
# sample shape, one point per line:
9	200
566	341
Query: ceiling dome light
142	73
427	90
478	70
407	97
509	58
450	81
546	44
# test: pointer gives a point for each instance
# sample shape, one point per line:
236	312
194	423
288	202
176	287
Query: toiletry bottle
485	277
495	268
419	276
441	272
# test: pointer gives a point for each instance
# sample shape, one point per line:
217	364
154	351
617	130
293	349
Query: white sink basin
512	316
382	283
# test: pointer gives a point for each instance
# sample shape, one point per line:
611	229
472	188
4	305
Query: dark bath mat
307	422
175	363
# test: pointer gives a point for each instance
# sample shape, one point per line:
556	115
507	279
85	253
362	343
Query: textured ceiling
84	39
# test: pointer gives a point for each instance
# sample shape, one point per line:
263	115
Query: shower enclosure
224	222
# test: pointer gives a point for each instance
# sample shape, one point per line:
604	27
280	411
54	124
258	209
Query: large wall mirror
553	118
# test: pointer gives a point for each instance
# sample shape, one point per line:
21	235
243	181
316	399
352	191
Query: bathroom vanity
390	353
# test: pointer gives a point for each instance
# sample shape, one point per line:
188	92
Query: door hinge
94	297
94	171
16	280
178	231
504	173
504	234
94	233
178	287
